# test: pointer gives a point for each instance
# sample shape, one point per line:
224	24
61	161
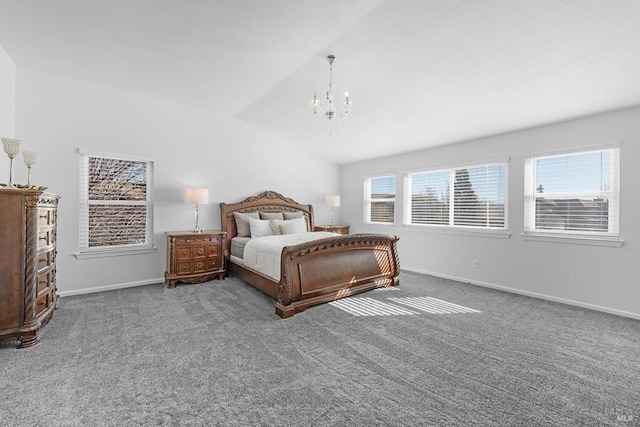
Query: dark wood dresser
27	263
194	257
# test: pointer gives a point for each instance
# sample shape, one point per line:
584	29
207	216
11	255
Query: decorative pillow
271	215
259	228
288	228
275	225
293	215
242	222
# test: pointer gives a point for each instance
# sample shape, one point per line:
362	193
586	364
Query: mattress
263	253
237	246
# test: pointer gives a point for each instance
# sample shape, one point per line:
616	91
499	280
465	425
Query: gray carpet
216	354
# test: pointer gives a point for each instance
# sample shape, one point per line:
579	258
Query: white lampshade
332	200
198	195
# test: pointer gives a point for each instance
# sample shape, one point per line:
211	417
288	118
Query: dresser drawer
46	216
46	238
45	281
46	259
44	301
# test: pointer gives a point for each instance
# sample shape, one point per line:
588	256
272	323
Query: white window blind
573	194
380	199
461	197
116	203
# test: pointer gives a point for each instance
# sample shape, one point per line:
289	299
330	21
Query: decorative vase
12	148
29	158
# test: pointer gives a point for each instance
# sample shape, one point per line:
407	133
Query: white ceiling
419	73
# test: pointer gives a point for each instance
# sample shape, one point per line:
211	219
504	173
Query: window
380	199
116	205
461	197
573	194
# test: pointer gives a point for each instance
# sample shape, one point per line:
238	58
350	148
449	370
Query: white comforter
263	253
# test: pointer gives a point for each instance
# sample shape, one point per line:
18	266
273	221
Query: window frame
84	250
368	199
609	238
450	227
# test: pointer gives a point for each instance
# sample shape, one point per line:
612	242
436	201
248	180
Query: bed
313	272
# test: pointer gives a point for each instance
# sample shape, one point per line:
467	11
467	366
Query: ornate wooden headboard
267	201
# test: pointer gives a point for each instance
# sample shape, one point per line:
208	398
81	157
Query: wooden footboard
329	269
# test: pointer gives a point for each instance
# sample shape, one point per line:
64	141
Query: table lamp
197	196
332	201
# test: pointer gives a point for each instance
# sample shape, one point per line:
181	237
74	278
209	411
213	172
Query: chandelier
325	111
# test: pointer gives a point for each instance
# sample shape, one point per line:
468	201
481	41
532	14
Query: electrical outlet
476	263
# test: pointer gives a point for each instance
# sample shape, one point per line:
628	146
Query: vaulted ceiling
420	73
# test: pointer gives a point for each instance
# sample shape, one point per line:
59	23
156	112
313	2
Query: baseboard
527	293
110	287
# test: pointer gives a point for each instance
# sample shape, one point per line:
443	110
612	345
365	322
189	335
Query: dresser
194	257
340	229
27	263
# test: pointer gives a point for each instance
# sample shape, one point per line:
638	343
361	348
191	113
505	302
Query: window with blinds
461	197
116	202
380	199
573	193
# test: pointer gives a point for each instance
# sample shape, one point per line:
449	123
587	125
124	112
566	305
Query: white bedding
263	253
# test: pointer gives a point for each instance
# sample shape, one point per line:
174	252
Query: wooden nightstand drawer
215	263
214	250
199	251
194	257
200	266
184	267
184	252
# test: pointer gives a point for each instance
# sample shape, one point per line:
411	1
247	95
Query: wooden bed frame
319	271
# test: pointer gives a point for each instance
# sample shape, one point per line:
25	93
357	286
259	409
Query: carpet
431	352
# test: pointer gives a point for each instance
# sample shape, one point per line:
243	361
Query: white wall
7	100
55	116
603	278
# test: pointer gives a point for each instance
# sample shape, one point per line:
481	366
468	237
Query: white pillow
288	228
300	224
293	226
260	228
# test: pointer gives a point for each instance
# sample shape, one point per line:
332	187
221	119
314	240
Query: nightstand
340	229
194	257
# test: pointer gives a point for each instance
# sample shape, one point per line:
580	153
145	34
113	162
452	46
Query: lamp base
196	230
